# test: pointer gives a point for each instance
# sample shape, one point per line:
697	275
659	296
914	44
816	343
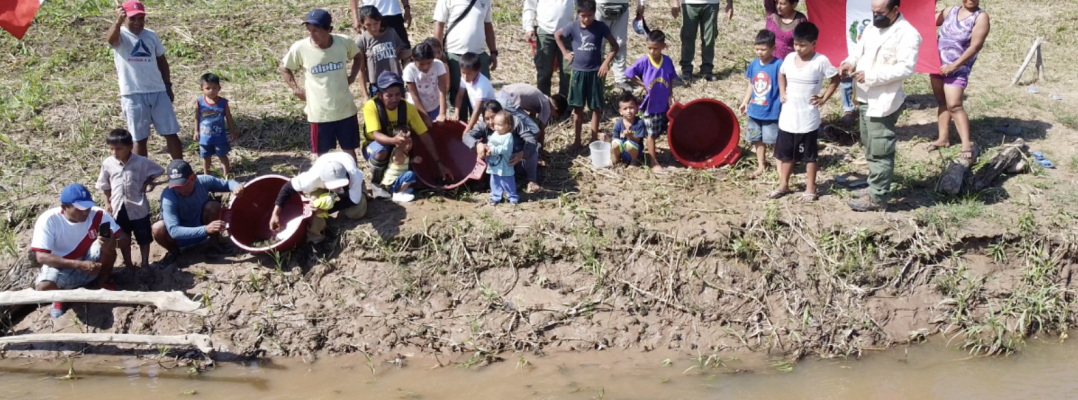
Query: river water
927	371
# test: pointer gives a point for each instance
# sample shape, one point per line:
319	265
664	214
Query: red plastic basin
704	133
456	156
249	213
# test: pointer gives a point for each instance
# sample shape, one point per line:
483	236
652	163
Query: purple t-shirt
658	80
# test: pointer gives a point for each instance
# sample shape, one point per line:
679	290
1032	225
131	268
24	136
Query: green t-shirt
325	77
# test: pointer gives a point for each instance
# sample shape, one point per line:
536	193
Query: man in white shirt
615	14
540	23
335	173
465	26
75	244
885	56
699	16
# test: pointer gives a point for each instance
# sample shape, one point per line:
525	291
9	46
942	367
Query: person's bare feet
533	187
130	265
658	169
936	145
758	172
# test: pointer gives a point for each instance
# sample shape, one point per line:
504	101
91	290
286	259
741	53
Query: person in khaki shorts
334	184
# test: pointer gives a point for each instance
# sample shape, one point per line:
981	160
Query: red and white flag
16	15
842	22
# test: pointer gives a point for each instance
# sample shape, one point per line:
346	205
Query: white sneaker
403	197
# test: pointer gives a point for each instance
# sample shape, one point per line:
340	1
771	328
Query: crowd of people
406	89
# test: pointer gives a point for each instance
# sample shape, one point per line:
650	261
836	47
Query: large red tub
249	213
704	133
456	156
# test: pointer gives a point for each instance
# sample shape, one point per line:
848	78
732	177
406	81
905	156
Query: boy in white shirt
800	78
475	86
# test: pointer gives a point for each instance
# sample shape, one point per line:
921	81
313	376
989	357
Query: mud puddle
928	371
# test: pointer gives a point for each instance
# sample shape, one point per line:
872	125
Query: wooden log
953	178
16	275
168	301
1032	51
1006	159
202	342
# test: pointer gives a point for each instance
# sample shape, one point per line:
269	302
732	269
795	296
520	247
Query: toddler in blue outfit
211	115
500	150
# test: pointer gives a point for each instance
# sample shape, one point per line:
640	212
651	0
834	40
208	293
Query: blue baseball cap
389	79
320	18
78	196
640	26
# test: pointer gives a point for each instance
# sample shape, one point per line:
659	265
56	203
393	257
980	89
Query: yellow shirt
325	77
393	172
372	123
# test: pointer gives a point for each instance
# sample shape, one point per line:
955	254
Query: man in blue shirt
188	216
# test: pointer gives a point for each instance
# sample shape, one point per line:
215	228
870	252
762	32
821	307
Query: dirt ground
692	260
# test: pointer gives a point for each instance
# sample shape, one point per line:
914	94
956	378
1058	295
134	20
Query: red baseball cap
134	7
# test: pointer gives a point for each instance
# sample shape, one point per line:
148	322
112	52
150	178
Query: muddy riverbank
481	288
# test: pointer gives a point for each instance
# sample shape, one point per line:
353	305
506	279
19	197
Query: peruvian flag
842	22
16	15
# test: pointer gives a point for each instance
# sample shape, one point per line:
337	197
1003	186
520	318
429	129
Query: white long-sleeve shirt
548	15
887	57
642	2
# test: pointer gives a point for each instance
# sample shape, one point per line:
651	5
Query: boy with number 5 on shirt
800	78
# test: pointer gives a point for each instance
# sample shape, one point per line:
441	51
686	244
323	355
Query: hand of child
569	57
604	69
108	207
782	97
195	136
417	160
744	108
232	138
816	101
455	116
275	223
440	119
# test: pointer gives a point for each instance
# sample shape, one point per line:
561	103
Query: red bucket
456	156
248	216
704	133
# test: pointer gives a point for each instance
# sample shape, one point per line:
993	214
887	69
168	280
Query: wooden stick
1040	65
168	301
1029	57
202	342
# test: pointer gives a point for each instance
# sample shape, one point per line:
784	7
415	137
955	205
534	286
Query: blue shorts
373	148
406	178
434	114
70	278
219	150
325	136
144	109
623	147
762	131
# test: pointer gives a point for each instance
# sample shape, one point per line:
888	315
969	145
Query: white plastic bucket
600	154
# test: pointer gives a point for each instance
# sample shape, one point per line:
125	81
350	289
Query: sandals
778	194
809	197
933	147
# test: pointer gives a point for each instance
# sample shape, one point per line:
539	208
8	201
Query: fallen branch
202	342
168	301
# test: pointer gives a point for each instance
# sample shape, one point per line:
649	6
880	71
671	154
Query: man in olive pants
885	56
539	27
699	16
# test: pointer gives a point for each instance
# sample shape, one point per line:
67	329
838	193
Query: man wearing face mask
885	56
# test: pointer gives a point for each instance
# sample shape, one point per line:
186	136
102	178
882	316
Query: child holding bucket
628	131
800	78
585	37
656	73
762	103
499	150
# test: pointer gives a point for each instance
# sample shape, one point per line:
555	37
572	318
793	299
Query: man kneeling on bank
333	184
75	244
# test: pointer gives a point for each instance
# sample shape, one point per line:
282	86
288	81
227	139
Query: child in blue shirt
628	131
499	147
211	115
762	102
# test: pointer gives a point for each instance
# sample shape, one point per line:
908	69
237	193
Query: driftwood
1013	154
956	177
202	342
1035	50
168	301
19	274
